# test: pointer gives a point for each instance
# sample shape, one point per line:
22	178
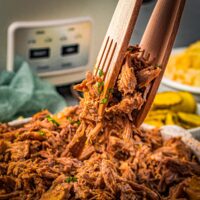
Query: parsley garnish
73	122
71	179
41	133
101	73
78	122
99	86
104	100
69	119
111	90
50	119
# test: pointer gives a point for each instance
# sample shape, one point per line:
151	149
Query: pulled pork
77	154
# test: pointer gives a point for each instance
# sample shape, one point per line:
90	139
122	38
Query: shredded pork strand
78	155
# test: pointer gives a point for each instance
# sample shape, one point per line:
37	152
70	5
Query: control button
71	29
43	67
40	32
66	65
31	41
78	36
47	40
63	38
70	49
39	53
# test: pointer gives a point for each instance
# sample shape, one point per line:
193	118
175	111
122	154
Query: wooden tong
113	49
157	41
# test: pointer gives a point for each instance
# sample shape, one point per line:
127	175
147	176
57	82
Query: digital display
39	53
70	49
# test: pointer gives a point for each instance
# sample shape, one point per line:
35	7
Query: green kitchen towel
23	93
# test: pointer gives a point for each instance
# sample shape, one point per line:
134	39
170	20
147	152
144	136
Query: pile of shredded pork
68	156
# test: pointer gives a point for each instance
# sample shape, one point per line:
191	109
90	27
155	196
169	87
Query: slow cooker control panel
51	47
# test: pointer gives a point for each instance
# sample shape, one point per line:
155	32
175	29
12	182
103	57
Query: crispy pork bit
127	104
146	75
78	155
127	80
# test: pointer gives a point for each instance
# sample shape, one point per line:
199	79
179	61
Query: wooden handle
162	26
123	20
158	40
118	35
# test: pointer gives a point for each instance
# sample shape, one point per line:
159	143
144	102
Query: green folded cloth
23	93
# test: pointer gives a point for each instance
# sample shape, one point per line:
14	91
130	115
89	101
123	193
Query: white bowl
179	86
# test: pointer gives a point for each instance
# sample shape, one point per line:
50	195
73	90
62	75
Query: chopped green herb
101	73
78	122
41	133
69	119
71	179
104	100
111	90
99	90
50	119
72	121
99	86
